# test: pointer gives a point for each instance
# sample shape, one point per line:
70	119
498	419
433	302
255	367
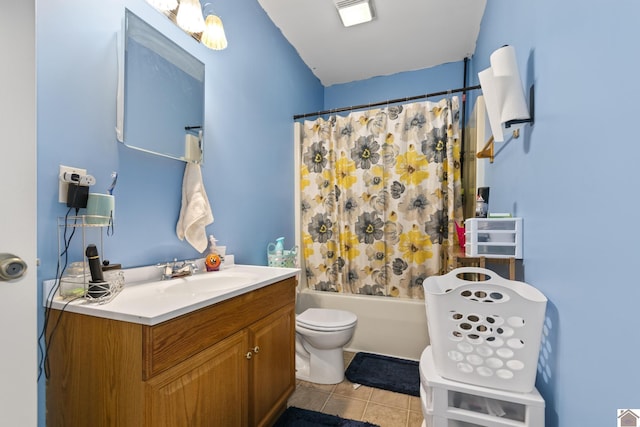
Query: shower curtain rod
391	101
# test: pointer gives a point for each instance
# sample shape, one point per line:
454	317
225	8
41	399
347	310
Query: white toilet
320	335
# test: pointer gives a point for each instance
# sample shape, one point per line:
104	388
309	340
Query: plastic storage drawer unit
493	237
447	403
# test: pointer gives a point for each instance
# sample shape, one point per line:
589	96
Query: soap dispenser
279	245
212	260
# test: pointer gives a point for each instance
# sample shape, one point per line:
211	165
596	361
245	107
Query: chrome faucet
174	269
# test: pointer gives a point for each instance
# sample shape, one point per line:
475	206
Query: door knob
256	349
11	267
249	355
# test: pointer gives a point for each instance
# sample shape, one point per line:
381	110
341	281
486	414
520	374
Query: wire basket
285	259
102	293
485	332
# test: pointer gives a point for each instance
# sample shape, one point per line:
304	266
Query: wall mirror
160	94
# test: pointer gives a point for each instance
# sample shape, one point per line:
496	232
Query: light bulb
213	36
190	16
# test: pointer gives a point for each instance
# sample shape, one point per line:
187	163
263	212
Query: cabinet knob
256	349
249	355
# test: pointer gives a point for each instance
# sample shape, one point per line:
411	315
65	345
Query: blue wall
571	177
253	89
400	85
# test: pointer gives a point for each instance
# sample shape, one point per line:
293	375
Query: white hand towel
195	212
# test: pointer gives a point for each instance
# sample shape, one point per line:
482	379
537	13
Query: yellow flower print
415	246
389	139
349	245
346	168
304	177
456	162
412	167
363	120
307	244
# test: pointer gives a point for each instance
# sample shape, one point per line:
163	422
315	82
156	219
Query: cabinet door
272	378
209	389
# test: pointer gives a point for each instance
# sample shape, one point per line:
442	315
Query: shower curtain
380	191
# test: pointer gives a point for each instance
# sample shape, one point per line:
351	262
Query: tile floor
381	407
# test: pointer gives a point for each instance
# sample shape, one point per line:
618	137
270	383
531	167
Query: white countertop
151	301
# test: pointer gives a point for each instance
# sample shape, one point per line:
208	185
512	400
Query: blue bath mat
385	372
305	418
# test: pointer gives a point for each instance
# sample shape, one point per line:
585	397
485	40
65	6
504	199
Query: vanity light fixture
189	16
213	36
164	5
353	12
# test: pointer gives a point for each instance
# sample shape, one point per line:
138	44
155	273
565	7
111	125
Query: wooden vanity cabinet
229	364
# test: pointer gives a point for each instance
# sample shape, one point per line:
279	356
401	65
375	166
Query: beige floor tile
385	416
415	419
390	398
381	407
345	407
346	389
308	398
321	387
415	404
348	357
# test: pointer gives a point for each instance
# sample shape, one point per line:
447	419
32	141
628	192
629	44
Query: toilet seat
326	319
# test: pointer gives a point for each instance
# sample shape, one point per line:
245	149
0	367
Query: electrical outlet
64	186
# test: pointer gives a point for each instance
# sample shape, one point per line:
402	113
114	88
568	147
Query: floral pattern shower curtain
380	194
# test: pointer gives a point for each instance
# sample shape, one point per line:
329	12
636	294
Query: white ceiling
406	35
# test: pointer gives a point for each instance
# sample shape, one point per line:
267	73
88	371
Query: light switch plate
63	187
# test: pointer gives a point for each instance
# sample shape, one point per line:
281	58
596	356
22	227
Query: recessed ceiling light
353	12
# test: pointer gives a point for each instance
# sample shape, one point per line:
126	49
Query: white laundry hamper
485	332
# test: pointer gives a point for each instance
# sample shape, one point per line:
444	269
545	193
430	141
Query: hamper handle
461	270
492	275
523	289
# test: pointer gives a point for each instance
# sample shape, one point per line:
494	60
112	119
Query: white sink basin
213	282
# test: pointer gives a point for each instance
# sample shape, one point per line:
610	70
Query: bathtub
389	326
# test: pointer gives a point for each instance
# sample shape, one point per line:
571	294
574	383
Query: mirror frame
157	42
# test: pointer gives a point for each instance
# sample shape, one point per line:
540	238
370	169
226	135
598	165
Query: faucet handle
193	265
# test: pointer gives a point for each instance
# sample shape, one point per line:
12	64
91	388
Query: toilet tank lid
326	317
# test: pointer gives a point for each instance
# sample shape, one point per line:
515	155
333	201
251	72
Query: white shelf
494	237
448	403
